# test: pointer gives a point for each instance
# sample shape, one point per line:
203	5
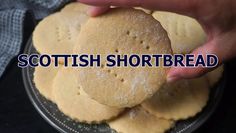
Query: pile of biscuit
129	100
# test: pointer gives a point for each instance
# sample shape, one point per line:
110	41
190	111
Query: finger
95	11
183	7
220	44
178	73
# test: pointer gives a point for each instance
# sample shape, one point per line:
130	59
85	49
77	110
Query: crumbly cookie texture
57	33
43	80
137	120
122	31
185	33
180	100
74	102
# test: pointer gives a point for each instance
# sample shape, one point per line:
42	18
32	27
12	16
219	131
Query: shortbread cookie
214	76
137	120
57	33
179	100
74	102
43	79
122	31
185	33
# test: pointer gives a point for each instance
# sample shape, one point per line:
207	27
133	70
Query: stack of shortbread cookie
136	100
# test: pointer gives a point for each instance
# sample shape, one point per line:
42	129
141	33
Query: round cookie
74	102
57	33
122	31
214	76
185	33
179	100
43	79
137	120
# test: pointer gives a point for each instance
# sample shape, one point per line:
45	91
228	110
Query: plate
64	124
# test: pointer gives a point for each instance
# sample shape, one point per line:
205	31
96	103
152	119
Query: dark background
17	114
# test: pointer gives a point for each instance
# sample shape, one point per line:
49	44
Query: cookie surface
74	102
43	79
179	100
122	31
185	33
214	76
137	120
57	33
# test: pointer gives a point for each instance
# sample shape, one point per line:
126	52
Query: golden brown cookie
122	31
137	120
43	79
185	33
57	33
74	102
179	100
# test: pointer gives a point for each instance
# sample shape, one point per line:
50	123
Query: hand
217	17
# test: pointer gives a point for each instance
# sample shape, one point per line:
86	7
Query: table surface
17	114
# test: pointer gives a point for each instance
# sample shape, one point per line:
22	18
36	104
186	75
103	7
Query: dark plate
62	123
